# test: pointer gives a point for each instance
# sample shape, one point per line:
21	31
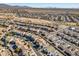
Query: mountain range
9	6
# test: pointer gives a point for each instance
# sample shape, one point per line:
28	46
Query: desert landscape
26	31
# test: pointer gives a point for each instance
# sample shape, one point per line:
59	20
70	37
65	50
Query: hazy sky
57	5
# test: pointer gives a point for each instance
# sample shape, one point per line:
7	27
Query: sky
48	5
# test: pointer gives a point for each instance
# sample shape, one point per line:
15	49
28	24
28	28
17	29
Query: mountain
9	6
4	6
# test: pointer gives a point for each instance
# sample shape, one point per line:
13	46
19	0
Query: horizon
47	5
